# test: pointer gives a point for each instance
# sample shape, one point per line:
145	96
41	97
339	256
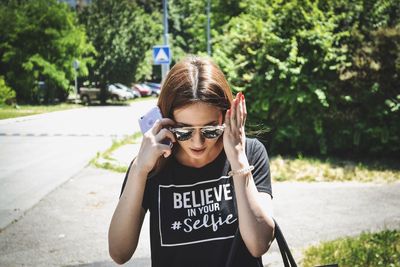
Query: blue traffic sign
161	54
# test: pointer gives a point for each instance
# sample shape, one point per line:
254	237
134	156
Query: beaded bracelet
241	171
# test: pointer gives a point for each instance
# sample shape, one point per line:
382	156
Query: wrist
239	162
243	171
138	170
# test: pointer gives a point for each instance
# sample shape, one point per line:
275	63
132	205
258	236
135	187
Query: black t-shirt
193	212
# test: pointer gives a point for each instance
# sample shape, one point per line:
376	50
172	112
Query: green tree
39	41
283	55
187	20
123	34
188	24
321	75
368	88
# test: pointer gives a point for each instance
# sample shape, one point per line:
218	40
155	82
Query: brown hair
193	79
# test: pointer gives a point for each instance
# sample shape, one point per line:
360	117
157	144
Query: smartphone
147	121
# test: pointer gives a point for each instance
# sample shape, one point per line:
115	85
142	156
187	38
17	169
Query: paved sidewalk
69	226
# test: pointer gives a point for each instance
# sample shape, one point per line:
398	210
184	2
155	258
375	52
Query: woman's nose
198	138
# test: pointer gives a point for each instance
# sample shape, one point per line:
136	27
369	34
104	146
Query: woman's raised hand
234	134
152	146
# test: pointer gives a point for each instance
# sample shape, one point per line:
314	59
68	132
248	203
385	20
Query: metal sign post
165	67
75	64
162	56
162	53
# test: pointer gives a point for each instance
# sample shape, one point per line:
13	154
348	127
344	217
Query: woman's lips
198	151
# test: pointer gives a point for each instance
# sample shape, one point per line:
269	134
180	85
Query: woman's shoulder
253	143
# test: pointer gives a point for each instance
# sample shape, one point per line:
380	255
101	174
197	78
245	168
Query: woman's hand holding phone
153	144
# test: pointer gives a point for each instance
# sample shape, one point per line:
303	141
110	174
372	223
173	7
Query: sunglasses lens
183	135
211	133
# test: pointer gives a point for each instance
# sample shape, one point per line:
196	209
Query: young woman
209	195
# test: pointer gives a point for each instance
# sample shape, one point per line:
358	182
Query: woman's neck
186	160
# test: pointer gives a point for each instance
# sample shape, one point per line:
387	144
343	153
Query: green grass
104	160
288	169
317	170
141	99
7	111
380	249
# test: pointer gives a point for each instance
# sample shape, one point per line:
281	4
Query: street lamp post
165	67
208	29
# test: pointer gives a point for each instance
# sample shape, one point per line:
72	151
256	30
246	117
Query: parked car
87	94
155	88
142	88
134	93
118	94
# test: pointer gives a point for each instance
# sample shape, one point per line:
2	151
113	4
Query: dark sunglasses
209	132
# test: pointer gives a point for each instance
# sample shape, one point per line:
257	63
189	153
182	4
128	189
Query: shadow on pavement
136	262
107	104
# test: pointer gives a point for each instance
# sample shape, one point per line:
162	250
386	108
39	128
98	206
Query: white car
118	94
135	94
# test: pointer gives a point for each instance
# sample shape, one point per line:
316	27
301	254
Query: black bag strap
287	256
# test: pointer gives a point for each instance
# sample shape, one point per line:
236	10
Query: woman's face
198	148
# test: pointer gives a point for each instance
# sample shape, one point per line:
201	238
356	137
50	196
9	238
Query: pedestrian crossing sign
161	54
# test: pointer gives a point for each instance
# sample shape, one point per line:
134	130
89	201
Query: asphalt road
39	153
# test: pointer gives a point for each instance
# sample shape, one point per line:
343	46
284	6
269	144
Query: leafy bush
322	76
6	93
